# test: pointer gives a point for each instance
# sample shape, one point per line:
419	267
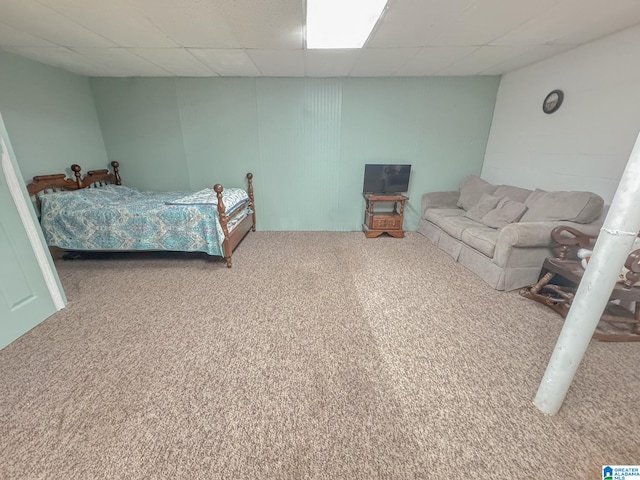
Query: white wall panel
584	145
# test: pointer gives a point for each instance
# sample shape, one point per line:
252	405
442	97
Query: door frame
57	295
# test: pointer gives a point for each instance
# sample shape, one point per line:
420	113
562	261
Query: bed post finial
116	172
222	213
76	171
253	201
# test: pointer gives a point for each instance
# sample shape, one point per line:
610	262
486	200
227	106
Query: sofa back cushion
485	205
579	207
534	196
471	189
513	193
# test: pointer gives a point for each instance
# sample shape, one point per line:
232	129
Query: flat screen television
387	178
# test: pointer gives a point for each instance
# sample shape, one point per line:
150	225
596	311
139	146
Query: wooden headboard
60	181
101	177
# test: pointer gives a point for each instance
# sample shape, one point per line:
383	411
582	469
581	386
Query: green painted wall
140	119
50	117
306	140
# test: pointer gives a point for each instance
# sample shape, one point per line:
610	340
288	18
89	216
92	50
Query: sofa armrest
538	234
440	200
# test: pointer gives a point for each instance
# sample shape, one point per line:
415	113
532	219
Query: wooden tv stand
389	222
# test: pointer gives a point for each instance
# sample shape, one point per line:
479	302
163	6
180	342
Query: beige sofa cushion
454	226
513	193
507	211
483	239
436	215
579	207
485	205
534	196
471	190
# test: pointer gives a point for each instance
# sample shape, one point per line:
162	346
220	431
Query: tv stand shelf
389	222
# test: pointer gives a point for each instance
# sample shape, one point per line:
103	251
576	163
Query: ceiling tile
265	25
484	58
61	57
278	63
619	16
569	19
40	21
112	19
226	62
382	62
431	60
11	37
528	57
176	61
483	22
195	24
258	37
330	63
120	62
415	23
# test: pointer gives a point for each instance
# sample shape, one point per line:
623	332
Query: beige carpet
319	355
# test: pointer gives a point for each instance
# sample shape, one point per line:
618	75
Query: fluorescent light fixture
341	23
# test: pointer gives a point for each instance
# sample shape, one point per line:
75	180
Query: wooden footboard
233	238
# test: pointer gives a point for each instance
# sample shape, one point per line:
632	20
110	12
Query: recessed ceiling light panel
341	23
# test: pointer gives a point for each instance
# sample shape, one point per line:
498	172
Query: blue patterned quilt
121	218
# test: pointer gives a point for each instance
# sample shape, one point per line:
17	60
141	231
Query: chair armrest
567	236
539	234
632	276
440	200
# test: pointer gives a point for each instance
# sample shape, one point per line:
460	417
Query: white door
25	297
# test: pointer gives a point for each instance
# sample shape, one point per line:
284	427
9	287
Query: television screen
386	178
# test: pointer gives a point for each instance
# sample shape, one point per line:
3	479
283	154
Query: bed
96	213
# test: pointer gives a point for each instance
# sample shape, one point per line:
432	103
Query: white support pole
612	247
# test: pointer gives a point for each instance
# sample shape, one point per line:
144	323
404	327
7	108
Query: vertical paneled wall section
305	139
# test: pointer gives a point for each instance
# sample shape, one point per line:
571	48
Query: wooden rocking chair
620	321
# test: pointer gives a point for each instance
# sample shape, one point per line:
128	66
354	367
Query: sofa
502	233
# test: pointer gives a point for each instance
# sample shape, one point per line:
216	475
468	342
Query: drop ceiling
189	38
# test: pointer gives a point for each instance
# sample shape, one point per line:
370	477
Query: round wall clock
552	101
